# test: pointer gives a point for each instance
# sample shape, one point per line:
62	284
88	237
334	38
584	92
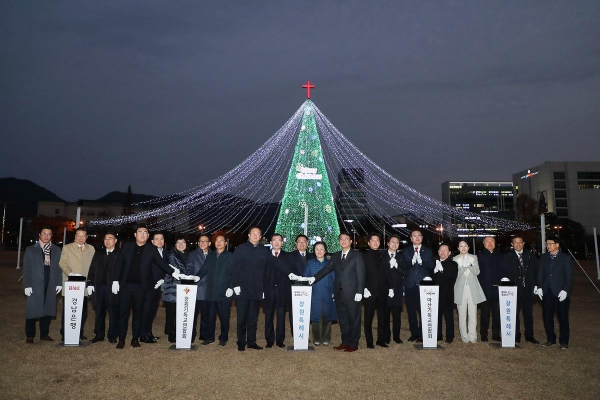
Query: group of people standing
131	279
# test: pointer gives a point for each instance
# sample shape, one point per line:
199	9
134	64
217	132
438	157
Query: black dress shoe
449	340
282	345
269	345
148	339
254	346
387	342
484	339
370	346
201	338
112	340
207	342
135	343
121	344
496	338
222	343
413	338
440	338
46	339
29	340
82	337
518	340
382	344
172	339
549	344
398	340
532	340
97	339
564	346
419	339
241	348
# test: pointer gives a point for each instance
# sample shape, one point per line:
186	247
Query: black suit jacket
397	274
446	280
277	283
350	279
512	271
557	278
417	272
104	265
298	263
378	278
149	256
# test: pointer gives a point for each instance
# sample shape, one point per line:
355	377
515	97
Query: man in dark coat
349	286
133	278
521	267
490	273
378	286
444	275
278	295
250	262
554	282
194	264
420	259
392	259
217	271
101	276
42	281
300	256
153	295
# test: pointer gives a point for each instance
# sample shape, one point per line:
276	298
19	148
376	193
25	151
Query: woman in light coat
467	293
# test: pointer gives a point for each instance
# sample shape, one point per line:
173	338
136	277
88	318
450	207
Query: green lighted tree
308	189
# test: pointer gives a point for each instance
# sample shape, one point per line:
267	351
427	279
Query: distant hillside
119	197
23	196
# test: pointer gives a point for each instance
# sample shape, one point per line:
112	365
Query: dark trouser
44	326
375	304
413	308
170	318
396	323
524	303
149	310
202	309
271	308
223	309
561	309
446	309
131	297
247	317
321	330
83	317
102	294
349	316
486	308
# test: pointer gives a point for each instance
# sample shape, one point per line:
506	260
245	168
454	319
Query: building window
561	203
56	211
562	212
559	175
560	185
588	185
588	175
560	194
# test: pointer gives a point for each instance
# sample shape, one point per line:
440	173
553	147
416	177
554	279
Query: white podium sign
74	293
301	301
508	317
429	315
186	304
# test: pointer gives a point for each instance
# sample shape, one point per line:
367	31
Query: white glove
417	259
367	294
263	295
75	274
562	295
540	293
357	297
177	275
311	280
115	287
229	292
391	293
438	267
393	263
175	269
237	290
293	277
195	278
90	290
28	291
58	289
159	283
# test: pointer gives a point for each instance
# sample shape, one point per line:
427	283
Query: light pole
557	227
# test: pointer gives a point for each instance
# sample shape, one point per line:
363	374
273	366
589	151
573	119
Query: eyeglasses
551	244
110	238
204	241
142	232
180	242
45	234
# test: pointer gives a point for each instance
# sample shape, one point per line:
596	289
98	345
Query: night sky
97	95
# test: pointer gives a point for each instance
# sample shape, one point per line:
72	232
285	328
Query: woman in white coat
467	293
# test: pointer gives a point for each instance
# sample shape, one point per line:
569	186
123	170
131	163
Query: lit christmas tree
307	191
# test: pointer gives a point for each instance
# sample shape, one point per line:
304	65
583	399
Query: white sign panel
301	301
429	315
74	293
186	304
508	317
